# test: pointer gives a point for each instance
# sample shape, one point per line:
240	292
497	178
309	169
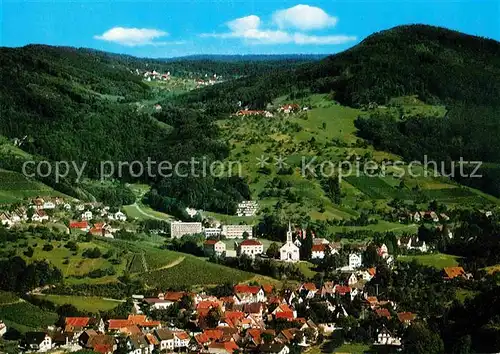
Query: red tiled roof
372	271
152	339
383	312
309	286
78	225
406	316
203	305
77	321
453	272
246	289
234	315
268	289
174	295
250	242
210	242
136	319
318	248
103	348
117	324
213	334
181	335
342	290
285	314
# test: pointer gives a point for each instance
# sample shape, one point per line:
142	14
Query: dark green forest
437	64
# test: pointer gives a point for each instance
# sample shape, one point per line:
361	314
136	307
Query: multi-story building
179	228
237	231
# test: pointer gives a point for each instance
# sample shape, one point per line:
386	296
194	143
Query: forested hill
437	64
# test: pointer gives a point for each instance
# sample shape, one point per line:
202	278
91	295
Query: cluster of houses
245	322
283	109
43	209
36	210
154	75
427	216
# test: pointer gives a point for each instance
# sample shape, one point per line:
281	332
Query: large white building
289	252
250	247
179	228
237	231
247	208
212	231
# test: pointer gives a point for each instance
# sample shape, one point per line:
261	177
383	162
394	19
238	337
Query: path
144	263
135	205
172	264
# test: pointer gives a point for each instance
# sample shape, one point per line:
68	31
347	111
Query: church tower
289	233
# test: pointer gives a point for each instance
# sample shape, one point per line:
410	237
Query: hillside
437	64
408	69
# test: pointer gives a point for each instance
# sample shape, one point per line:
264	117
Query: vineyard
193	271
24	317
14	187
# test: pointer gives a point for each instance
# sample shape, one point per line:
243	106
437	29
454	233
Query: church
289	252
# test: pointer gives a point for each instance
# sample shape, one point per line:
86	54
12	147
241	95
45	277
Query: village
249	318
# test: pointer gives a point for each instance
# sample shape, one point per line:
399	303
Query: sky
170	28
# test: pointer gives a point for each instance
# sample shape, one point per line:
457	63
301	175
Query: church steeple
289	233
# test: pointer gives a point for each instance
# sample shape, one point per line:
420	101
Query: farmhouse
211	247
79	225
179	228
318	251
289	108
250	247
39	216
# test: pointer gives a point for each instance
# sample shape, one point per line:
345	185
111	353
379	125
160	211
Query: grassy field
24	317
436	260
14	187
85	303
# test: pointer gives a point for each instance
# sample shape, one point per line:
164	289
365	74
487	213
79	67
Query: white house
318	251
87	215
354	261
385	337
48	205
181	339
211	247
289	252
38	342
166	339
120	216
39	216
250	247
3	328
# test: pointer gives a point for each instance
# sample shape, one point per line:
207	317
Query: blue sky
165	28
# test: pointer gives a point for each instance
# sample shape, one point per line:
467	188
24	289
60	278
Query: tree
273	251
213	317
420	339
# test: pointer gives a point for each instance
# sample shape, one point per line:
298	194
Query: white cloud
244	24
304	18
249	29
132	36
